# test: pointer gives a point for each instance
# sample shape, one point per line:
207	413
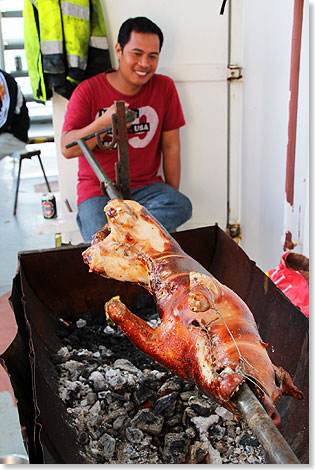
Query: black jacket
14	116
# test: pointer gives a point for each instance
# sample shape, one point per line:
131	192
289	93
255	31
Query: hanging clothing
65	42
14	118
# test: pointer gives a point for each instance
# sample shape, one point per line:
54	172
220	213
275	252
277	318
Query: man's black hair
140	24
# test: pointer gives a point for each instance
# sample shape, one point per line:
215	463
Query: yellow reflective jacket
72	45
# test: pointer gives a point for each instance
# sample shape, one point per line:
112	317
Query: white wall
267	53
195	54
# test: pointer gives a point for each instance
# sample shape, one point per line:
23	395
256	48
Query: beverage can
18	63
49	206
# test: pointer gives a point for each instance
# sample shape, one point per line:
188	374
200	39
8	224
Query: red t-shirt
158	109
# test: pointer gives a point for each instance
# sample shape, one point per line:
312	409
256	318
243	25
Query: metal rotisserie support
50	282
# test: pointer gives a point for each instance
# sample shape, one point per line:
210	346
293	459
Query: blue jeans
169	206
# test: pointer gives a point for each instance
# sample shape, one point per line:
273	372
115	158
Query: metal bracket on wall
234	72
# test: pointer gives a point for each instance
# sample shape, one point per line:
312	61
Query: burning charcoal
164	403
91	398
217	432
214	457
105	395
134	435
124	364
173	385
185	396
98	381
249	441
105	352
81	323
114	414
118	423
108	330
96	408
198	452
115	379
204	423
143	394
83	438
175	448
224	413
108	444
148	422
190	432
173	421
127	453
221	446
201	406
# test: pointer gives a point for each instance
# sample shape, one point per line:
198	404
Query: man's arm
75	134
171	157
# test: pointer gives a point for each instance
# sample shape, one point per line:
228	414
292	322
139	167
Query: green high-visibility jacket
69	32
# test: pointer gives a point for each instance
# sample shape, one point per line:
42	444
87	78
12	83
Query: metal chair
21	157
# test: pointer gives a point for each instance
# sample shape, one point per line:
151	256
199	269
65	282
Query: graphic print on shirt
143	127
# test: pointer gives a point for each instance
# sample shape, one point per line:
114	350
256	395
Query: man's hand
70	136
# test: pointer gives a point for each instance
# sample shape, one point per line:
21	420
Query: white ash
127	415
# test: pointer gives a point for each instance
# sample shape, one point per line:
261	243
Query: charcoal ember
185	396
96	408
164	403
119	422
173	384
124	364
98	381
134	435
115	379
217	432
84	438
176	448
143	394
108	444
147	421
81	323
198	452
200	406
91	398
174	420
221	446
204	423
127	453
249	441
125	407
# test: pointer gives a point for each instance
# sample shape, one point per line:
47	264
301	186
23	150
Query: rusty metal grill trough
50	282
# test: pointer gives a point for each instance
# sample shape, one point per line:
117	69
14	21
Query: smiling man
153	136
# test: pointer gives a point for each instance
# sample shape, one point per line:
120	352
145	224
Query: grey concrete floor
19	232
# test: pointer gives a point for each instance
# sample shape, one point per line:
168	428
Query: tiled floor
18	233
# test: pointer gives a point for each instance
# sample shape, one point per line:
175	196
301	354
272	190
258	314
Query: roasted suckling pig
207	333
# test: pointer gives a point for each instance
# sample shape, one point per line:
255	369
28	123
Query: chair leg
47	183
17	186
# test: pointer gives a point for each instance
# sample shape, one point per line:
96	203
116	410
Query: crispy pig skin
207	333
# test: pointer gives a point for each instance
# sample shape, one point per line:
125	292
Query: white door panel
204	149
195	55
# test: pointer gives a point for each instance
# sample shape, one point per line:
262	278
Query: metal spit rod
107	184
274	444
119	126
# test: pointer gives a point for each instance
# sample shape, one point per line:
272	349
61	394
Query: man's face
139	58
